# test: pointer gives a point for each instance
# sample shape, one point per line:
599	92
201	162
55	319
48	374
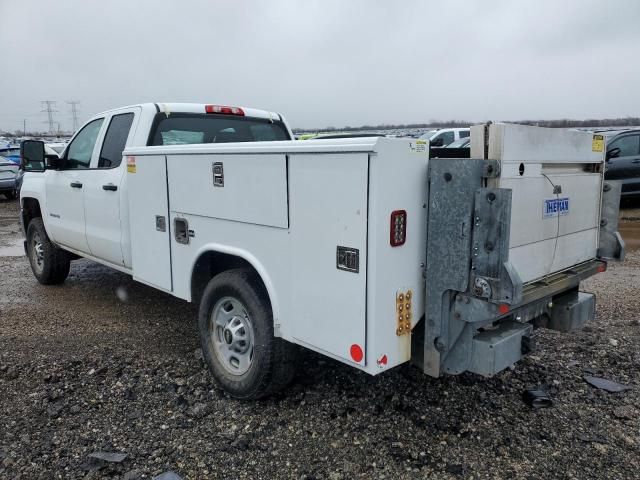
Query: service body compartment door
328	230
149	220
246	188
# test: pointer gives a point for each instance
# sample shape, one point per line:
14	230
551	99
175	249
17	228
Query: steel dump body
491	242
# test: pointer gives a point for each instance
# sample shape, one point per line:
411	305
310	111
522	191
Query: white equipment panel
329	212
246	188
149	220
555	176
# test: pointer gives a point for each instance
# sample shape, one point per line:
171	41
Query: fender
247	256
33	186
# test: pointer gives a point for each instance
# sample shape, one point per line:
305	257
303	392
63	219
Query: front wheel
50	264
236	334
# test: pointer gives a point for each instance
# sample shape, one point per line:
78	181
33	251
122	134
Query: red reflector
224	110
398	232
602	267
503	308
356	353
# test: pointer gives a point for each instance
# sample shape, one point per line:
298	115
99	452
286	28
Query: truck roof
175	107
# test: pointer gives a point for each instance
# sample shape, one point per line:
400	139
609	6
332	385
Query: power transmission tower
49	106
74	112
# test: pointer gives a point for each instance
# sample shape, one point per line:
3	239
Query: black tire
50	264
12	195
272	364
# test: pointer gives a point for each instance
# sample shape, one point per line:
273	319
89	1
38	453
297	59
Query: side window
115	140
629	145
447	138
81	148
465	133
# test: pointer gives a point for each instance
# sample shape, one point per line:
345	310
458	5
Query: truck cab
82	195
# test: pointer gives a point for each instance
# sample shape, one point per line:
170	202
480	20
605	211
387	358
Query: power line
74	112
49	106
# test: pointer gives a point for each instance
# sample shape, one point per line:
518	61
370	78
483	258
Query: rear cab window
115	140
190	128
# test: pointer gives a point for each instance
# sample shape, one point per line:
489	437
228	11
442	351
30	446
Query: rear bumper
503	338
561	281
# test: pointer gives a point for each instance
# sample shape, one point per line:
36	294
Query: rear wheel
236	333
50	264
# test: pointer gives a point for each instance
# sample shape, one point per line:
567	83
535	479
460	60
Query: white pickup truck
362	249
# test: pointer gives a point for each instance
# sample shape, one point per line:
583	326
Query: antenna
74	112
49	106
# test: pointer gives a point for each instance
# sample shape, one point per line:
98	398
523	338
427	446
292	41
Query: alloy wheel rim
38	251
231	333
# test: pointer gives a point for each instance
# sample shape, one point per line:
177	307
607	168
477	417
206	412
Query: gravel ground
103	364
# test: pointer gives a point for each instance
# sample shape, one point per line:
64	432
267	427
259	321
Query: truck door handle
110	186
637	160
76	185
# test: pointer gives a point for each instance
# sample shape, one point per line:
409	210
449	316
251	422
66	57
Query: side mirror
438	142
32	155
613	153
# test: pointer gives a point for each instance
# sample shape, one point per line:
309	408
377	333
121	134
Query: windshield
428	134
188	128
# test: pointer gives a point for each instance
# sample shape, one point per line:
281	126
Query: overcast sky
324	63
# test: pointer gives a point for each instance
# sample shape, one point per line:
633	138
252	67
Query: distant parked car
57	147
8	173
445	136
623	160
462	143
11	153
331	136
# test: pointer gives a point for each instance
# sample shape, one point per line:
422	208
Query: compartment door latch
218	174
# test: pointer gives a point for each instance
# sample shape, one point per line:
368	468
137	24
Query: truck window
465	133
447	138
629	145
81	148
188	128
115	140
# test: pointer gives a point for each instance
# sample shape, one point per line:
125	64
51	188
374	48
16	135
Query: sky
324	63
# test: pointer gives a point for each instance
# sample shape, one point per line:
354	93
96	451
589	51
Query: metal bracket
611	245
493	277
467	251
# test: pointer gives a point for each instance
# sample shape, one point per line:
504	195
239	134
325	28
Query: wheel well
210	264
30	210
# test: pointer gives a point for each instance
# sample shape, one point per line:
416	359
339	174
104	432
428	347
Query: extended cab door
104	189
64	205
626	165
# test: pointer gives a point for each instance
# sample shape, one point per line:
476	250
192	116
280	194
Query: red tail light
602	267
398	233
224	110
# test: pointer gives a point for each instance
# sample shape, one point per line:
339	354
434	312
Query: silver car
8	173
